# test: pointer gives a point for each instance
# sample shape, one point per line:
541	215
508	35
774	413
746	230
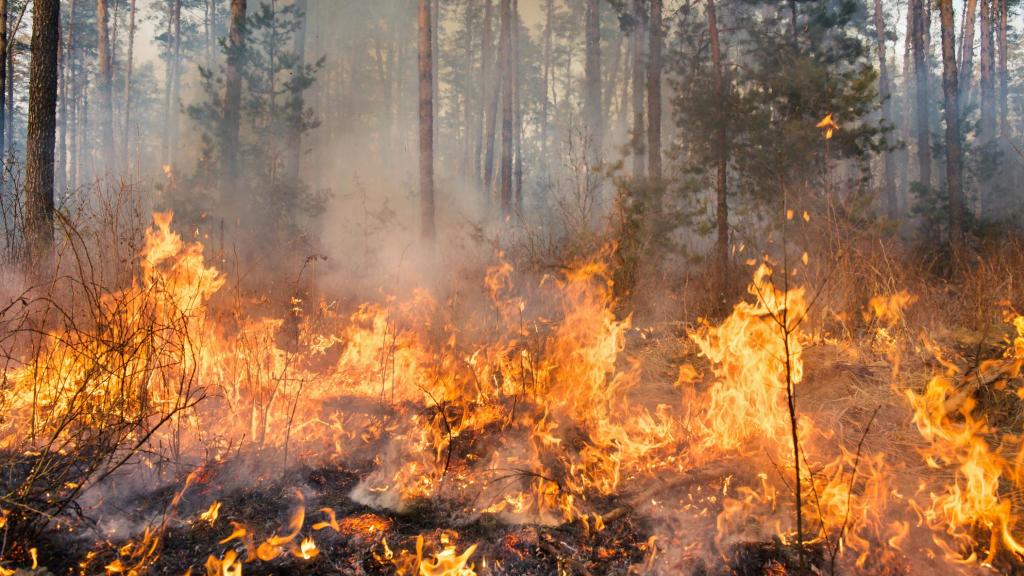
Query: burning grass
540	433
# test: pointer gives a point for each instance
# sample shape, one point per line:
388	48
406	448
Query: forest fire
502	287
526	417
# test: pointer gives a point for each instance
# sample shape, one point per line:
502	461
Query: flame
829	125
552	374
273	547
889	308
229	565
238	532
755	354
307	549
211	514
974	500
446	562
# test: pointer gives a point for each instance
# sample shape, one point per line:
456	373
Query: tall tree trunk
638	89
71	94
906	111
507	81
484	91
721	147
4	8
986	126
517	105
468	122
85	148
627	78
233	97
385	85
954	178
549	21
129	68
106	86
1003	73
426	115
966	62
516	111
165	133
592	82
294	152
492	109
654	93
987	120
920	47
42	126
435	46
12	45
884	94
60	168
172	120
612	77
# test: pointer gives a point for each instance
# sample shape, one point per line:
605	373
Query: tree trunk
924	152
627	77
612	77
484	91
517	129
966	63
954	178
42	126
85	149
294	152
435	48
654	93
507	119
549	21
721	263
492	113
987	123
426	123
165	133
71	94
106	86
987	119
233	97
60	168
1003	73
129	68
592	82
468	122
172	110
12	45
638	89
906	111
4	8
884	94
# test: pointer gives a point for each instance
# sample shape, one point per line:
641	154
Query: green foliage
273	114
786	66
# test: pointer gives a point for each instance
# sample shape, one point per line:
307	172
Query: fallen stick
551	550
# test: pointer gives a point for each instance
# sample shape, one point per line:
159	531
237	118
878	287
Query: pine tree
954	178
884	95
106	84
231	119
654	92
426	117
42	126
